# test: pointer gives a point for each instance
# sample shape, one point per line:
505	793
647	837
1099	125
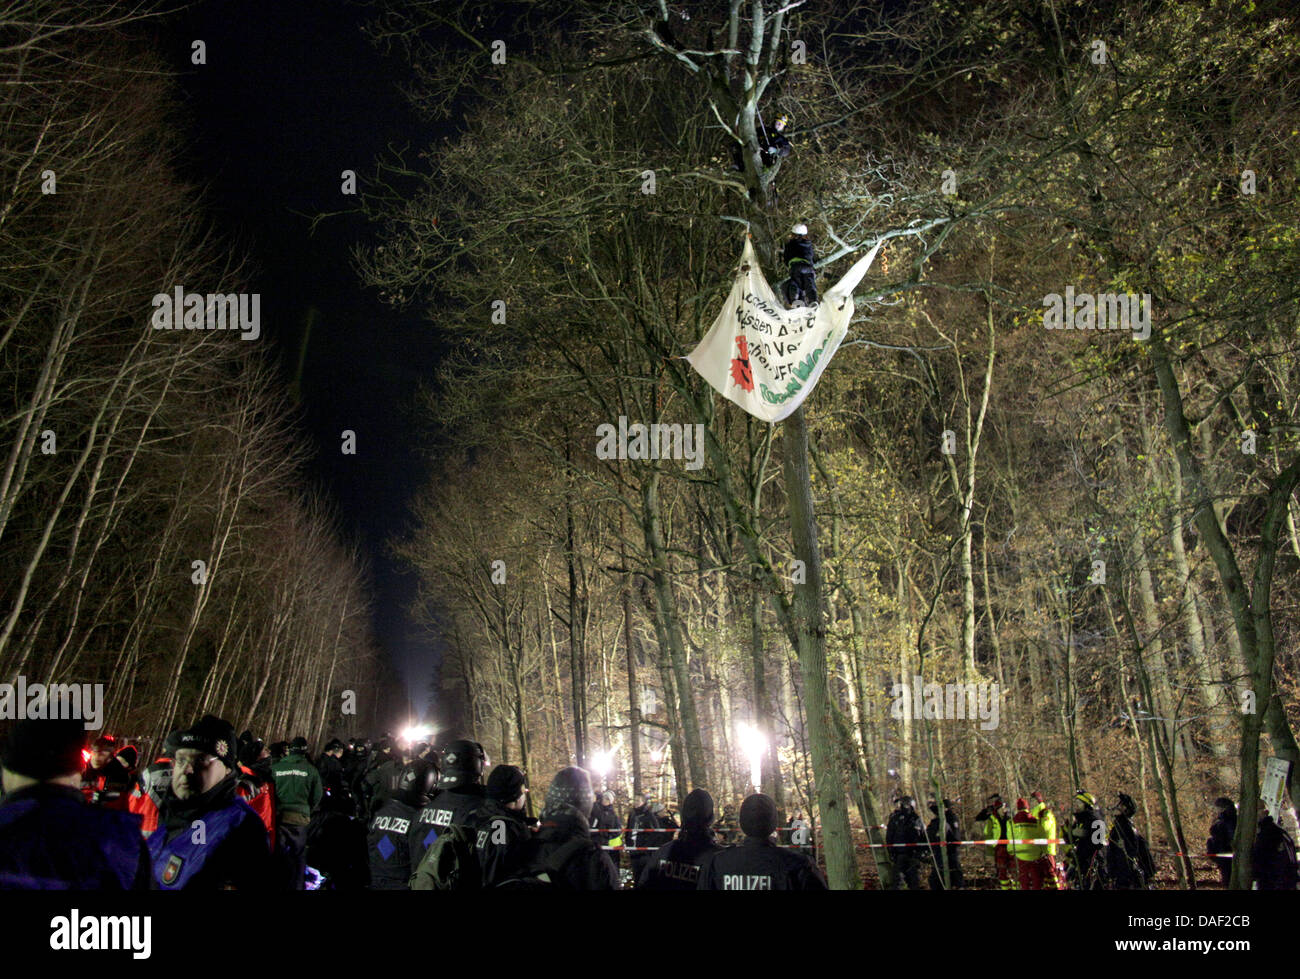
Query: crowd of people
213	811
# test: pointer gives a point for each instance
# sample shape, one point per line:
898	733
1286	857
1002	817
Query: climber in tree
772	146
801	259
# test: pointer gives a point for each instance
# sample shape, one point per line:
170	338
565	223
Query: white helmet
799	229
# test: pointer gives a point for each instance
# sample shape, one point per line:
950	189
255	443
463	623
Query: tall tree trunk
841	865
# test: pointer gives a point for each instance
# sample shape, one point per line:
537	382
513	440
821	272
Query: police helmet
462	764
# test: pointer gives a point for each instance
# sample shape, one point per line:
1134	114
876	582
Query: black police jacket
758	865
387	847
500	837
675	866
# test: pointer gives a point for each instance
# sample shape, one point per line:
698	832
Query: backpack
450	863
542	875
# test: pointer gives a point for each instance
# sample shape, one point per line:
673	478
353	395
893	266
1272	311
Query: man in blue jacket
50	839
208	838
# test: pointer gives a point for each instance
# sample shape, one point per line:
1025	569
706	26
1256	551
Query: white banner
767	358
1274	791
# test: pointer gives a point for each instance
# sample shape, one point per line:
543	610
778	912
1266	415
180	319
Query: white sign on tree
767	358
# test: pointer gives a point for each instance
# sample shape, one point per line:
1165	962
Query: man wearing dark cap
208	837
675	866
562	854
49	838
758	864
500	825
298	792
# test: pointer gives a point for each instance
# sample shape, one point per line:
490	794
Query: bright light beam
754	746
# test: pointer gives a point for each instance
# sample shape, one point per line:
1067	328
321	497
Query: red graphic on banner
740	369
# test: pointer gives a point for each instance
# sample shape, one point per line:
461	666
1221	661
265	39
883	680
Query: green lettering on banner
801	372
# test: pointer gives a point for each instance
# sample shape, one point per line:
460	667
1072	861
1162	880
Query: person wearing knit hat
231	851
501	829
562	852
758	864
49	838
675	866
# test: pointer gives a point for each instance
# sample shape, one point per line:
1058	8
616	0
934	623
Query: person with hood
801	260
902	834
298	791
675	866
758	864
50	839
231	851
950	834
1272	858
500	827
1222	832
1128	859
562	854
390	841
1085	862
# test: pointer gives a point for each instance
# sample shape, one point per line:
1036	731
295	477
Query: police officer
501	828
641	822
382	776
49	838
208	838
902	833
298	792
424	829
330	767
758	864
951	833
460	784
389	840
675	866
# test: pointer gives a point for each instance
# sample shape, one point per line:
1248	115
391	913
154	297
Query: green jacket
297	785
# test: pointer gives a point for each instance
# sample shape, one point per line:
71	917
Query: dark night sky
293	94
